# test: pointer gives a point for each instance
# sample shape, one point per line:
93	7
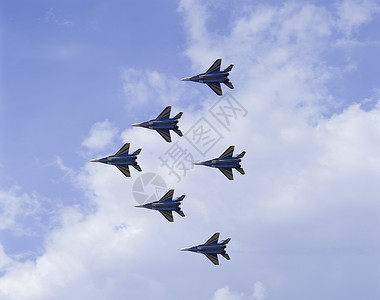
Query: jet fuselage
209	78
166	205
217	249
118	160
173	205
161	124
222	163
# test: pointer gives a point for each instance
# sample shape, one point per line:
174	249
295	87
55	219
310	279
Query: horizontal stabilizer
229	68
137	152
180	212
179	115
241	155
240	170
229	84
180	198
225	242
137	167
179	132
226	256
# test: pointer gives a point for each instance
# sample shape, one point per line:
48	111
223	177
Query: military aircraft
166	205
226	162
163	123
214	77
122	160
211	248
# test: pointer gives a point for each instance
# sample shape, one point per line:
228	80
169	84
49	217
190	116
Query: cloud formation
101	135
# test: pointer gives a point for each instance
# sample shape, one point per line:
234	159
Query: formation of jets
225	163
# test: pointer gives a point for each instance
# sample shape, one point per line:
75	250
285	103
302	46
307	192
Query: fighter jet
214	77
122	160
166	205
226	162
211	248
163	123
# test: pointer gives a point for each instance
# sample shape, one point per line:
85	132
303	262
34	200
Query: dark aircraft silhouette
166	205
214	77
163	123
211	248
122	160
226	162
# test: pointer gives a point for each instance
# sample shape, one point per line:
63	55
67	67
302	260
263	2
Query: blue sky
303	221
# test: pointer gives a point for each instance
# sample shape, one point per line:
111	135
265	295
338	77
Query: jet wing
215	86
165	133
228	153
167	214
167	197
165	113
124	169
123	150
227	172
212	240
215	67
213	258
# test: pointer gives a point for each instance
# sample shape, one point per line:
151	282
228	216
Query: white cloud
225	294
101	135
150	88
14	205
259	292
354	13
51	17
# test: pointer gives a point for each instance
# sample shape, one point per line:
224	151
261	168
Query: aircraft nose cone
186	79
198	163
136	125
101	160
192	249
